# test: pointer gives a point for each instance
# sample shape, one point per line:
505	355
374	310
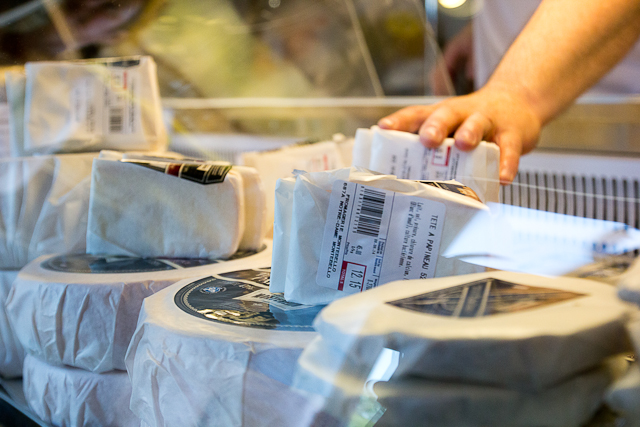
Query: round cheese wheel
81	310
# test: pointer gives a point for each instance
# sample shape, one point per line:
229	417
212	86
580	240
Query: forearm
566	47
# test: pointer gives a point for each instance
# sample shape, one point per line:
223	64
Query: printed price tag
374	236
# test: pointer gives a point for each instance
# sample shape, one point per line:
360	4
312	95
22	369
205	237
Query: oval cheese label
242	298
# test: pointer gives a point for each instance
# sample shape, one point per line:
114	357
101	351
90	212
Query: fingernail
387	123
431	134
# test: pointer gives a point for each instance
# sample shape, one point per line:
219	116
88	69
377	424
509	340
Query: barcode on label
369	213
115	120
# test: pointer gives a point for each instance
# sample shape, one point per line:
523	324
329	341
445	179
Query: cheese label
201	172
454	188
237	299
485	297
417	162
374	236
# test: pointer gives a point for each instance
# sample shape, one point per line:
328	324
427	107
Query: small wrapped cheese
43	206
255	202
140	208
82	310
309	206
92	105
11	351
224	347
64	396
504	329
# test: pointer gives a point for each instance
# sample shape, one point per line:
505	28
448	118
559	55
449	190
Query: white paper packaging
43	206
15	82
92	105
629	283
219	351
138	211
402	154
505	329
70	397
82	310
255	203
11	351
310	201
624	395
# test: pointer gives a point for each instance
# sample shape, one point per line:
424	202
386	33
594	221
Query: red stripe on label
343	274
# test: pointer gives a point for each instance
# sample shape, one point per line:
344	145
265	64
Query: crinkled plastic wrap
138	211
187	370
71	397
11	351
91	105
505	329
86	320
401	154
308	207
624	396
43	206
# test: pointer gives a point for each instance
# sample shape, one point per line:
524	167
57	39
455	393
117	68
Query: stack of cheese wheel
503	348
220	351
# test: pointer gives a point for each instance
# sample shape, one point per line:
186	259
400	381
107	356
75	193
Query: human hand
457	57
492	114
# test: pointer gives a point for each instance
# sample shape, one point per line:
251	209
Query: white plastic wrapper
43	206
219	351
70	397
309	205
629	283
92	105
505	329
401	154
137	210
11	351
82	310
624	396
273	165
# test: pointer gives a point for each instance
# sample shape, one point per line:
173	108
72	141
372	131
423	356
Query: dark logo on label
212	289
201	172
485	297
454	188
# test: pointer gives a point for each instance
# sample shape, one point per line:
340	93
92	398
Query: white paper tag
276	300
374	236
420	163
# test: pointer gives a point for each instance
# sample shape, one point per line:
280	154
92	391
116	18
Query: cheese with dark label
81	310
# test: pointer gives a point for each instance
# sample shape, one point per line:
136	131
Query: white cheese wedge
43	206
225	348
64	396
506	329
402	154
135	210
11	351
82	310
92	105
309	205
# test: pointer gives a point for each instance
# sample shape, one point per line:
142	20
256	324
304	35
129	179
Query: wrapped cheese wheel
82	310
381	208
402	154
92	105
11	351
505	329
64	396
43	206
140	208
225	330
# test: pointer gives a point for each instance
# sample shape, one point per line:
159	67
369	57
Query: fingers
438	126
472	131
407	119
510	151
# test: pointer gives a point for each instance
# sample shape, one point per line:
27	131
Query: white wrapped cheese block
11	351
91	105
310	202
255	202
135	210
82	310
43	206
15	81
624	396
361	156
507	329
281	229
402	154
273	165
216	351
71	397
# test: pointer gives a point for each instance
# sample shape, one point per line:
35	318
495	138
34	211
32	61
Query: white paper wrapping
310	202
138	211
218	365
362	147
43	206
11	351
629	283
506	329
15	81
64	315
255	202
281	237
624	396
69	397
402	154
92	105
